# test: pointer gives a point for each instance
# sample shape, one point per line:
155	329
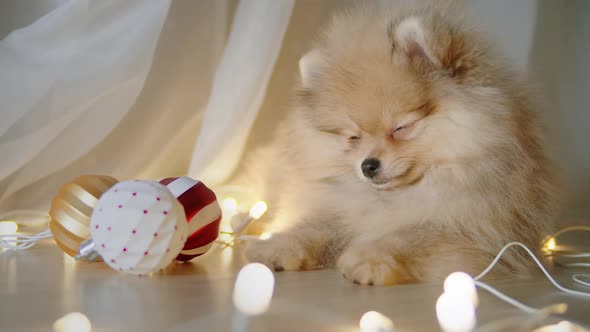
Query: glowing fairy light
252	294
265	236
551	244
258	210
253	289
374	321
461	284
455	308
455	313
73	322
8	228
230	207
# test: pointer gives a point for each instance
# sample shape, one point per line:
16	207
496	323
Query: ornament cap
87	253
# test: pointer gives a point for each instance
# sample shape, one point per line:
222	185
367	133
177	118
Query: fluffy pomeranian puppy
410	153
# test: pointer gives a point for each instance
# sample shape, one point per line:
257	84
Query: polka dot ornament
138	227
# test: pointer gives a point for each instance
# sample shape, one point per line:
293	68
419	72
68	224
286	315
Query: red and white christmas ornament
138	227
203	214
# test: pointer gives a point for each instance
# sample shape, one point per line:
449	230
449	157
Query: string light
8	228
252	294
9	236
253	289
455	313
228	233
455	308
374	321
230	207
256	212
461	284
73	322
551	244
17	241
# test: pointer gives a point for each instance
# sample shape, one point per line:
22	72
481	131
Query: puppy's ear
410	42
310	65
434	45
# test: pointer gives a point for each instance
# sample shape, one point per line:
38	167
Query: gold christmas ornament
72	207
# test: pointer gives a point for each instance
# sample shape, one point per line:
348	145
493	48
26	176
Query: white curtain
239	87
92	87
67	81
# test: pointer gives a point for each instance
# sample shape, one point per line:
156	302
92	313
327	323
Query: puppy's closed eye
407	129
404	132
329	130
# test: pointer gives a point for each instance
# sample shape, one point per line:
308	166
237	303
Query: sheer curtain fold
239	87
68	79
90	87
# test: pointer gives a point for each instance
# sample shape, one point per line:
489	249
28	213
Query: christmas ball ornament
203	214
71	210
138	227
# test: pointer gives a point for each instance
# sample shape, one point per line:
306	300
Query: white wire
577	264
512	301
570	229
520	324
560	254
577	279
505	297
21	241
555	283
568	254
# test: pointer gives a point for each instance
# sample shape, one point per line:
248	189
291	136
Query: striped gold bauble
72	207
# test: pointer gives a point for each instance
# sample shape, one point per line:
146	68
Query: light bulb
258	210
373	321
253	289
265	236
551	244
230	206
455	313
8	227
73	322
461	284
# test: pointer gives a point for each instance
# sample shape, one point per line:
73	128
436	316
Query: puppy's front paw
280	253
367	265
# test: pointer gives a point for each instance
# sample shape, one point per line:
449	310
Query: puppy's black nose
370	167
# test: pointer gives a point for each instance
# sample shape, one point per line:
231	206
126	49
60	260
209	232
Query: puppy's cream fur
462	169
